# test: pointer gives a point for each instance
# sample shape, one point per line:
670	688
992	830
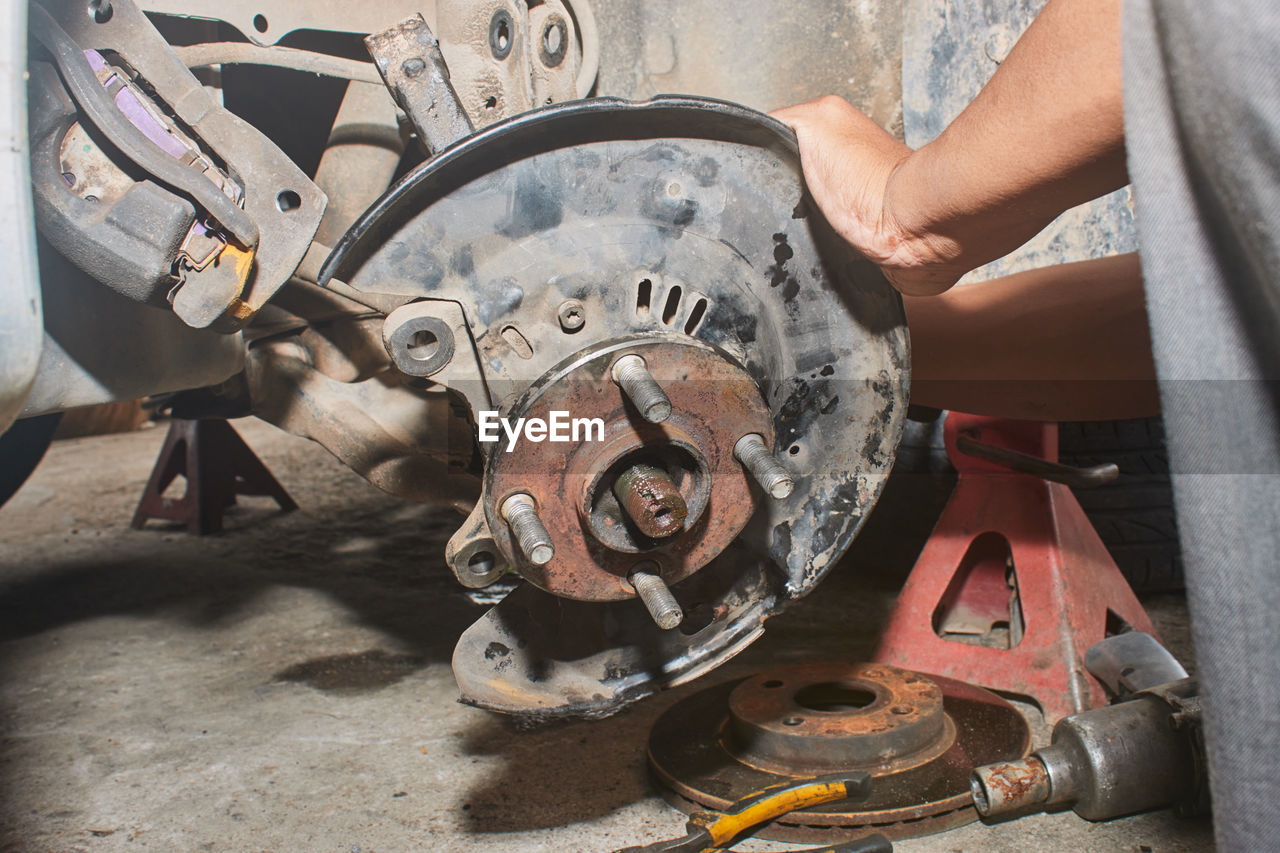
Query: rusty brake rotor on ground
918	735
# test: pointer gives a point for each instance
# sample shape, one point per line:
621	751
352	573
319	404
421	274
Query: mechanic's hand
849	165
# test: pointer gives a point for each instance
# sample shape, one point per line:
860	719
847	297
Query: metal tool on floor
1014	583
711	831
1144	752
217	465
917	736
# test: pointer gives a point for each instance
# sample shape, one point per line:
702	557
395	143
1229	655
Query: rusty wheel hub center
632	494
917	735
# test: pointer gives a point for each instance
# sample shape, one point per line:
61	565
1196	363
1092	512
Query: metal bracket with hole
431	337
492	85
476	560
409	59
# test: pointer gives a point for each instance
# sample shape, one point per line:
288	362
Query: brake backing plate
540	251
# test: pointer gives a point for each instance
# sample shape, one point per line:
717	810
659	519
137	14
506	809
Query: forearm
1068	342
1045	134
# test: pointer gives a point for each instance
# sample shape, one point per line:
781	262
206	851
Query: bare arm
1061	343
1045	134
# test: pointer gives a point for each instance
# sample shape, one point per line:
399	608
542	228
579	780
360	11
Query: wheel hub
599	540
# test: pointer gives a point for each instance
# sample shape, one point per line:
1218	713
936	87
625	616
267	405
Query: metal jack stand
218	466
1014	584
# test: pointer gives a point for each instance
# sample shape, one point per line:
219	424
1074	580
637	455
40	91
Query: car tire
22	447
1134	516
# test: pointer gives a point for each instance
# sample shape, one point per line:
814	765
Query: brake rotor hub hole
834	698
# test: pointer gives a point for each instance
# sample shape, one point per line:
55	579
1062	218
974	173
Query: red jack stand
1016	550
217	464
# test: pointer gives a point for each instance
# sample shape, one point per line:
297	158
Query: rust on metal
917	735
409	59
713	400
1009	786
651	499
864	715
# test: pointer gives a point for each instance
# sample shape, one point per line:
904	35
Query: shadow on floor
381	560
562	773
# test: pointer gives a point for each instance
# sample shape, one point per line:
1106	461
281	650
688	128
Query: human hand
851	165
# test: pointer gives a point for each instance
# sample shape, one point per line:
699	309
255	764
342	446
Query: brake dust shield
678	229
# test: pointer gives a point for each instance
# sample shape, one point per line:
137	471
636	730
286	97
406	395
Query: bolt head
572	315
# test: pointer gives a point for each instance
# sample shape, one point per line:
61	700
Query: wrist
921	257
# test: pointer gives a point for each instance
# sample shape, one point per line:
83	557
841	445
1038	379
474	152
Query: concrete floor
286	686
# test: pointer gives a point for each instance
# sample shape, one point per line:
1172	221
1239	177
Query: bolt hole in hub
555	42
288	201
481	563
101	11
501	34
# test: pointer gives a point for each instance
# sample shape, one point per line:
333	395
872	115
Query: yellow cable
728	827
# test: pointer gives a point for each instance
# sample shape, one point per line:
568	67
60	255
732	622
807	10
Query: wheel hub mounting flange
713	403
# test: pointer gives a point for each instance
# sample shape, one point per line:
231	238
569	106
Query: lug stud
761	464
639	386
656	595
521	516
